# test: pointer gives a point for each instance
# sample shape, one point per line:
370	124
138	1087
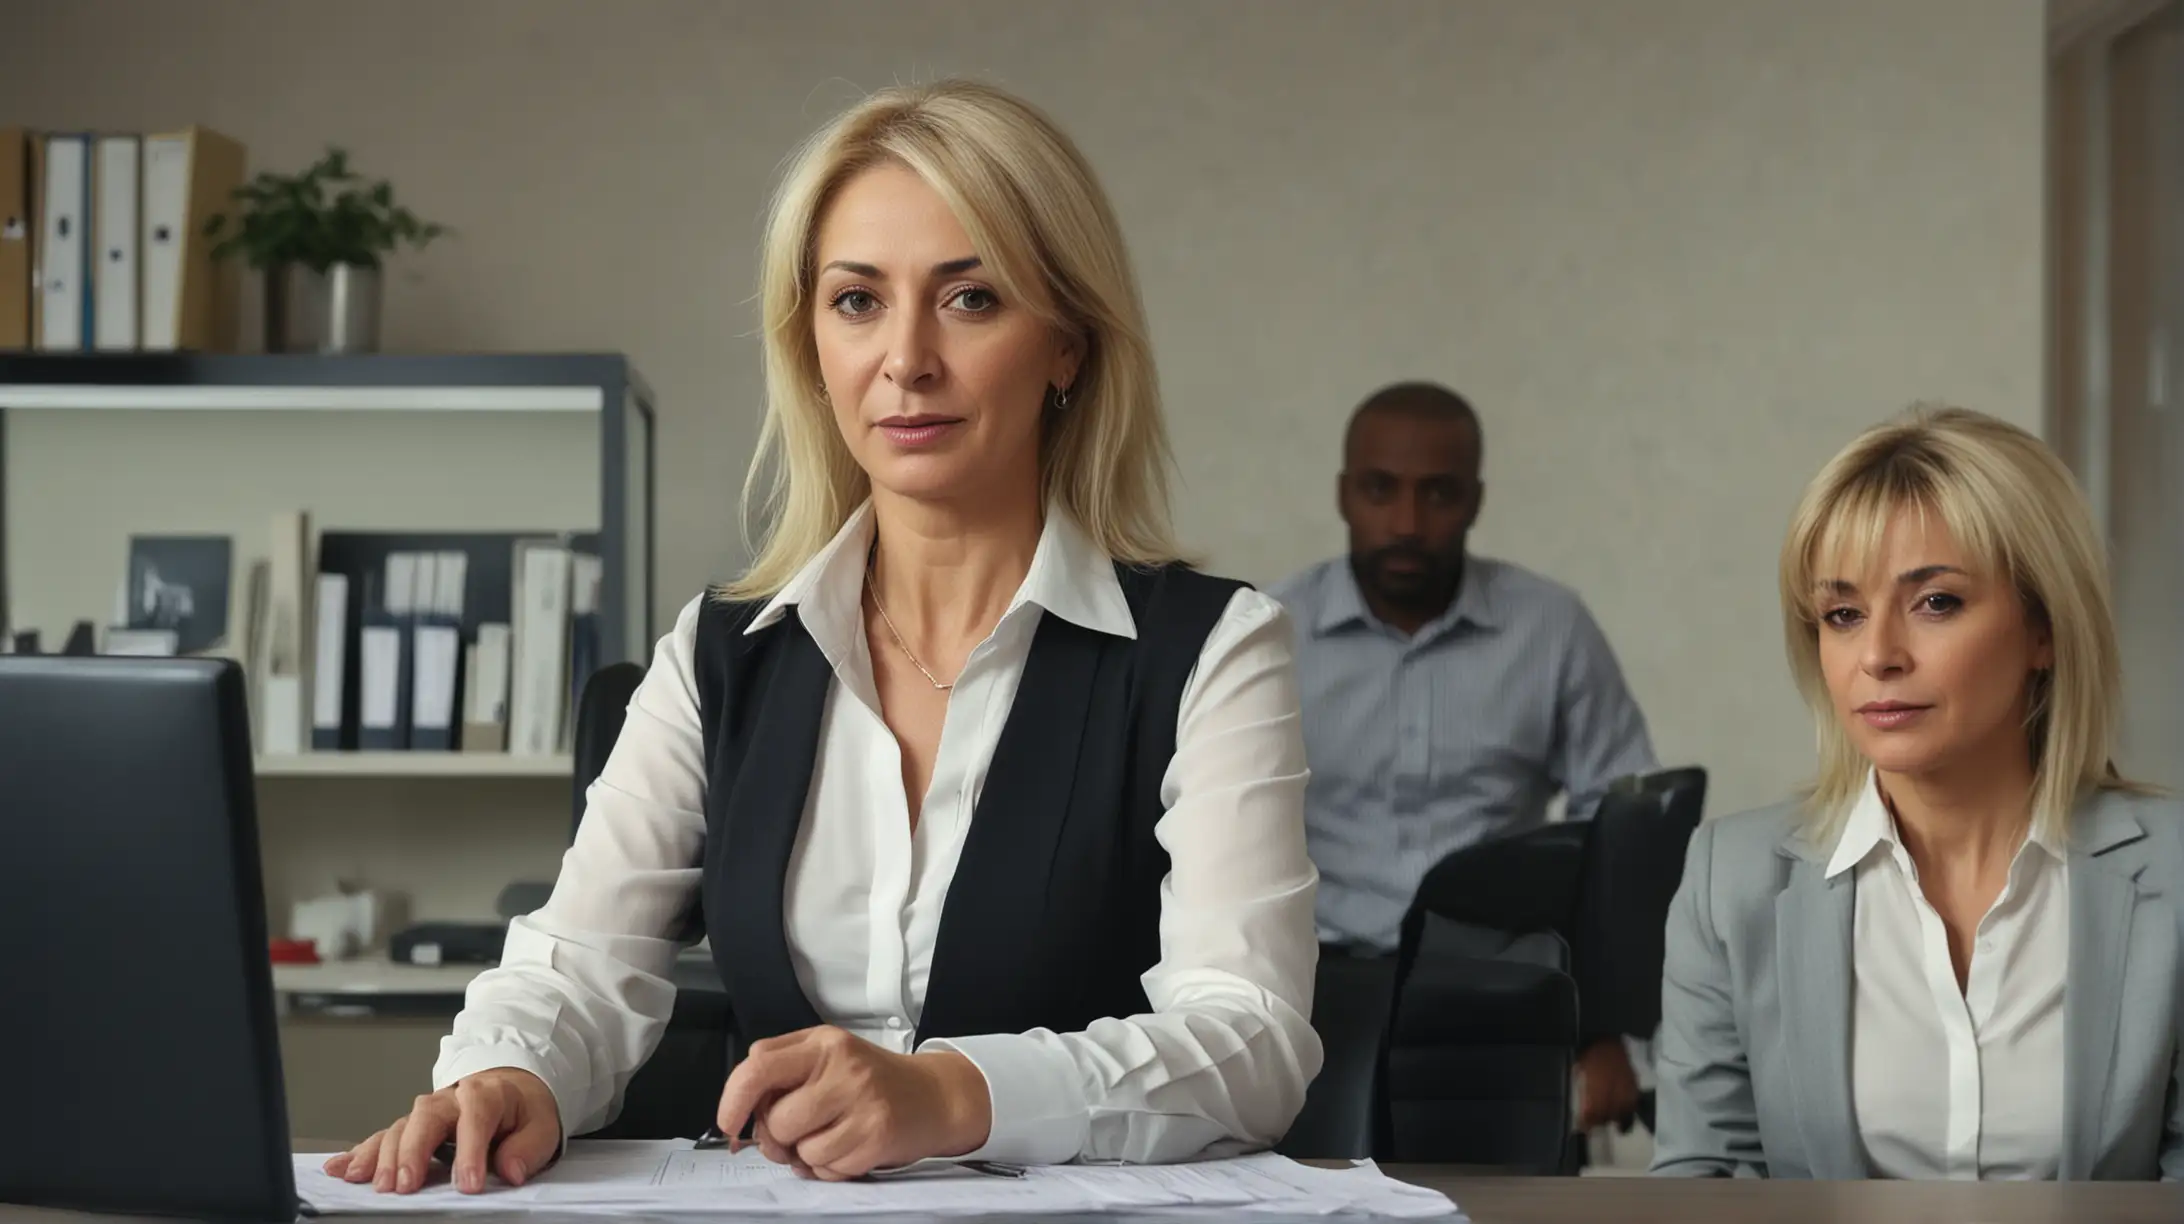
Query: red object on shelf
294	951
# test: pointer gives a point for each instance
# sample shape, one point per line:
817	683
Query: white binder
485	724
331	613
166	221
115	230
189	299
284	656
64	289
538	676
437	661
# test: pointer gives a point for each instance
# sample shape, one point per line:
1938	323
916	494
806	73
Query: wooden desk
1641	1200
1613	1200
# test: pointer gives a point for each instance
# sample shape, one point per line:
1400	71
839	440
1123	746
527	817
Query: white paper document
668	1177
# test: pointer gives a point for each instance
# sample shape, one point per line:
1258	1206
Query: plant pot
335	311
294	309
352	310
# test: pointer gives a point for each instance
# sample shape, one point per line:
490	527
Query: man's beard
1430	578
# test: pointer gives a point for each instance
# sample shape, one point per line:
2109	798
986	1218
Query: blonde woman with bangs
1958	957
992	807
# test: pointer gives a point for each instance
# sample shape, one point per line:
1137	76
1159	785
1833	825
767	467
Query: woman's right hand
506	1111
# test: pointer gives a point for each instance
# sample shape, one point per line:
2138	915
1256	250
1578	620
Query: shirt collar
1475	596
1870	826
1342	604
1070	576
1074	578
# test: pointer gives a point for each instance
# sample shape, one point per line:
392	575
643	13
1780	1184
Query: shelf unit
367	976
97	447
415	765
373	975
260	399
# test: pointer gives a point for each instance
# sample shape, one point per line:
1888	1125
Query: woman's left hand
836	1106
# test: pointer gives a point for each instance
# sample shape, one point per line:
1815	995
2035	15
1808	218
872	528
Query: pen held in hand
988	1168
712	1138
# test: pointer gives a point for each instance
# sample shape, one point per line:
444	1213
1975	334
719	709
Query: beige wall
1677	250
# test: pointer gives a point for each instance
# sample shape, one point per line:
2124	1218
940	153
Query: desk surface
1641	1200
375	975
1608	1200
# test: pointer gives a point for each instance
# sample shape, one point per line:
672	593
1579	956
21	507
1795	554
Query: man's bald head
1424	403
1409	491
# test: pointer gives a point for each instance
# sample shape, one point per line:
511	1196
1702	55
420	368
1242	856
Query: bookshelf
96	446
373	975
558	767
366	976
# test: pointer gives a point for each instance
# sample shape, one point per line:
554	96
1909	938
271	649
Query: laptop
138	1046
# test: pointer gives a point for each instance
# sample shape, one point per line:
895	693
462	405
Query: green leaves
324	216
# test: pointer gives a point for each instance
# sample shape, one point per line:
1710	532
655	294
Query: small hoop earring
1061	399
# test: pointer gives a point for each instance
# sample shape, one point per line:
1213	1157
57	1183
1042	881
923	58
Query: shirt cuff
455	1063
1039	1110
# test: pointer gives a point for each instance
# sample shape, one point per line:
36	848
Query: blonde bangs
2017	517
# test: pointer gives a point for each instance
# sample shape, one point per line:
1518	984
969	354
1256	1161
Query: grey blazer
1754	1050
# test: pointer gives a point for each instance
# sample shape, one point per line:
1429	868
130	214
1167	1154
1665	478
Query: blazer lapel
1812	972
2104	869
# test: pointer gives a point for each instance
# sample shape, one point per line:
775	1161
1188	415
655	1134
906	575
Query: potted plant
319	238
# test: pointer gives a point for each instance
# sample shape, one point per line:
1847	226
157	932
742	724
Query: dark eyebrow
1912	577
953	267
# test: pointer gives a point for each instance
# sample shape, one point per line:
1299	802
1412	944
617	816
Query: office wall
2117	170
1677	250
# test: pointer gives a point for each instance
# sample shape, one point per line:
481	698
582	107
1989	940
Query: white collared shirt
581	994
1946	1084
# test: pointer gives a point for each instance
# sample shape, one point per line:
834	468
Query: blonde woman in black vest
994	807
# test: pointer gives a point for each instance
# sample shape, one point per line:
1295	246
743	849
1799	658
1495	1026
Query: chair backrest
1516	883
1478	1066
600	711
1479	1052
670	1096
1352	1002
1633	864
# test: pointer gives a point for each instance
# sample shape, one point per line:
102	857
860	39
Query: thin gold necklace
896	634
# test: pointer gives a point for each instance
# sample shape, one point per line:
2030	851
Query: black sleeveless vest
1054	911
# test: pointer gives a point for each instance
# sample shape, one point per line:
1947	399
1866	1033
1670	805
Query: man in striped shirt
1447	698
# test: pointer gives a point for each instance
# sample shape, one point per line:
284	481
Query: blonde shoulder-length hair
1042	225
2013	508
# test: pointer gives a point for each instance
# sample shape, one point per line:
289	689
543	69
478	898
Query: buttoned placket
1963	1014
905	856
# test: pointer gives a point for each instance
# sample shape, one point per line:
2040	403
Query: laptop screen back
142	1058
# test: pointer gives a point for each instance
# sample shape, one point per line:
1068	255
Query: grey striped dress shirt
1419	746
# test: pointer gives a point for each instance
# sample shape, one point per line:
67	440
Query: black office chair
1633	864
601	709
1603	887
1353	1000
675	1093
1479	1051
